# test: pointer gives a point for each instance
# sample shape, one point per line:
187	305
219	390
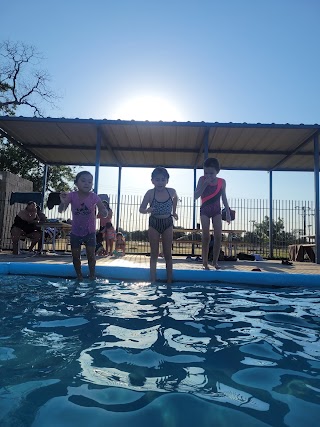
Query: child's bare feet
205	267
217	267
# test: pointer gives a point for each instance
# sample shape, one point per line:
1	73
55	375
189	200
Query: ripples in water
117	353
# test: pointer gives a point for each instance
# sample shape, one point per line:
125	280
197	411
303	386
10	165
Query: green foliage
15	160
21	85
7	109
261	233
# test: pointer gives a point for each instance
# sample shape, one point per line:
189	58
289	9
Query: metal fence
293	222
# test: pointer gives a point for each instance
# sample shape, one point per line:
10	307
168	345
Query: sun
150	108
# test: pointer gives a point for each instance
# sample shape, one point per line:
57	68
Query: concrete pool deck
136	267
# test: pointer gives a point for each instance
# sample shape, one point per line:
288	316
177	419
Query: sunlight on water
133	354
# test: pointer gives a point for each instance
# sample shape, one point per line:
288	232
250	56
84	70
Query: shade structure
238	146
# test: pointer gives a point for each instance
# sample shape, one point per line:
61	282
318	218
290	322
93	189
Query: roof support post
194	200
270	216
97	167
44	183
316	191
118	198
206	144
194	203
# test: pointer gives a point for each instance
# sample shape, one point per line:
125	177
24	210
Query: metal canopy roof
238	146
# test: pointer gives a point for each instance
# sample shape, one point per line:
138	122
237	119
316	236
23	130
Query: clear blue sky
213	60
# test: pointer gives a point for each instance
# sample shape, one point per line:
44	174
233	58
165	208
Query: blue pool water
132	354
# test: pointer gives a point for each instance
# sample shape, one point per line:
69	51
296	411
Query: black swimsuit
161	208
25	225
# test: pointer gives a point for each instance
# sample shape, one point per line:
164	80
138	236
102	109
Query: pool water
134	354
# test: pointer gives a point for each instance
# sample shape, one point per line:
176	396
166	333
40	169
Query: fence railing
293	222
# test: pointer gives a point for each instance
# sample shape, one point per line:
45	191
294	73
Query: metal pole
44	184
118	201
270	217
206	144
194	204
316	190
98	150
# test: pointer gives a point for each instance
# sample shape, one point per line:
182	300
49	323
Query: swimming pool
122	354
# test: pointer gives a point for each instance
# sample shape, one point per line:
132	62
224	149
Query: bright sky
211	60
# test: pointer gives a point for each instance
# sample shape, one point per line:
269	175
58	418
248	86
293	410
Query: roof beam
171	150
295	151
3	134
110	148
201	149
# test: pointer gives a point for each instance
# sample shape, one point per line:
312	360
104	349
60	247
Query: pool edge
182	275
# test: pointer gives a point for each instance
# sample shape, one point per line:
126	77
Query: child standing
83	205
162	202
211	188
107	228
120	244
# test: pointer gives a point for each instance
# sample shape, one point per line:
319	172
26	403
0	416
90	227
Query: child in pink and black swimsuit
211	189
83	205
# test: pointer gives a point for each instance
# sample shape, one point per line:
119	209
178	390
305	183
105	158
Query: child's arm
225	202
174	205
146	200
64	199
201	186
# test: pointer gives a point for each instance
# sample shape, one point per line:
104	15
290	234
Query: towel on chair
53	200
25	198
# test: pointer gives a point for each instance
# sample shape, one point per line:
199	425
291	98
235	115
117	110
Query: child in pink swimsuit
83	205
211	189
107	228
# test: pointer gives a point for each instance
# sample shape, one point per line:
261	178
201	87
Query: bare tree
21	82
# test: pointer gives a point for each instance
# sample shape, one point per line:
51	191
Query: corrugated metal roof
238	146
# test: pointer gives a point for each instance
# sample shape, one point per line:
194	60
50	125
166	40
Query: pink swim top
83	213
210	199
212	192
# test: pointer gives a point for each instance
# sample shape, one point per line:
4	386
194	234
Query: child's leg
205	222
154	238
111	241
217	233
76	259
167	237
91	256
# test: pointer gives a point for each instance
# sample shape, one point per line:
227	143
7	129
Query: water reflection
248	350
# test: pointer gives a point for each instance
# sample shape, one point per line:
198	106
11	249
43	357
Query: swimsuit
24	225
161	208
210	198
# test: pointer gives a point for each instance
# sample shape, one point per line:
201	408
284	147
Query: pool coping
131	271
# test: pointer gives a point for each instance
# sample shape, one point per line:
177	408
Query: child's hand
150	210
208	180
175	216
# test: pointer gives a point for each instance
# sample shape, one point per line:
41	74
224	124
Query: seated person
26	224
120	245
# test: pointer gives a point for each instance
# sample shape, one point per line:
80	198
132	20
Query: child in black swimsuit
162	202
